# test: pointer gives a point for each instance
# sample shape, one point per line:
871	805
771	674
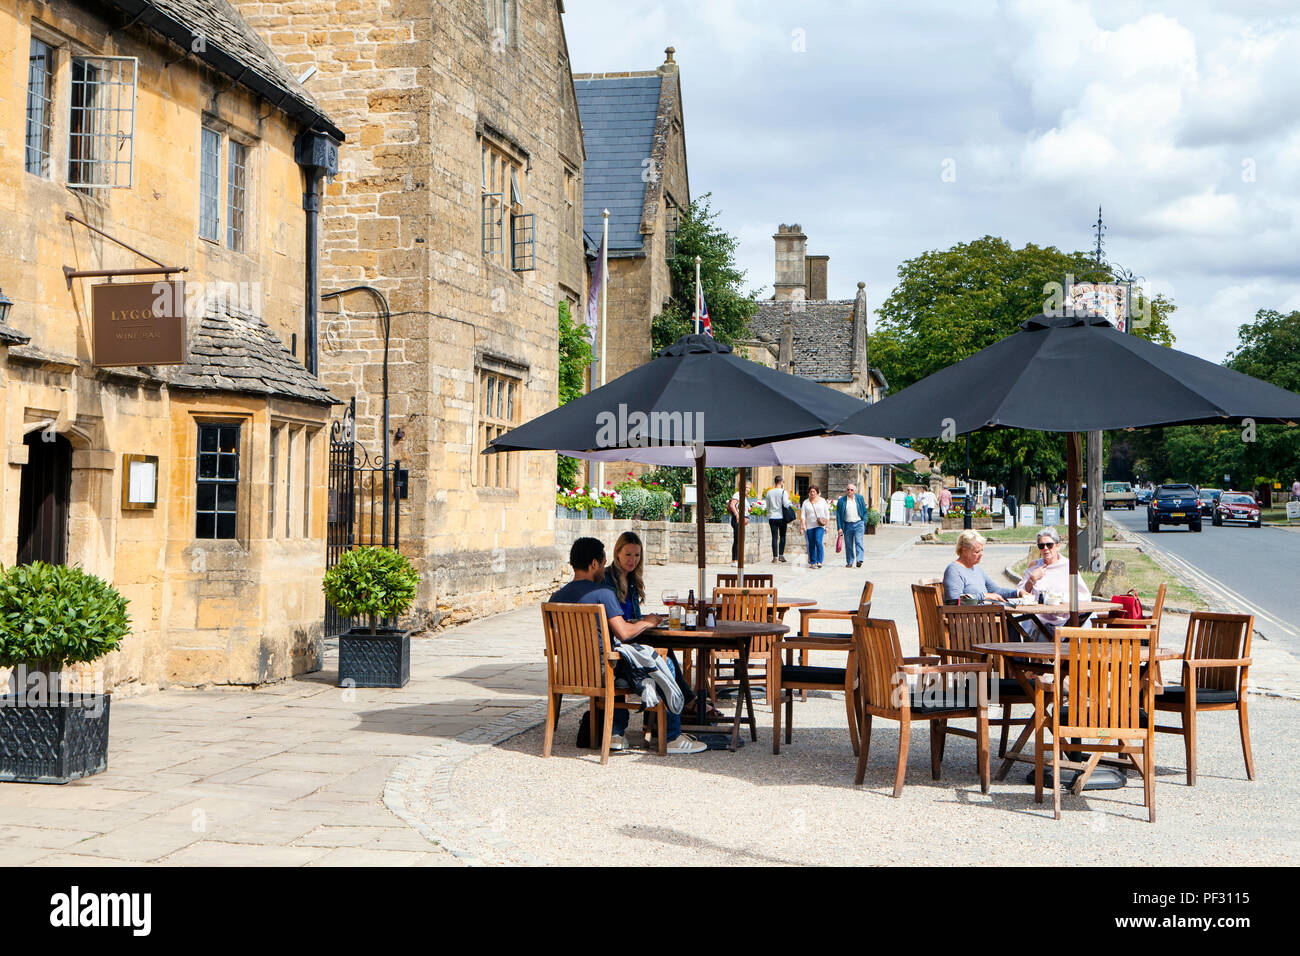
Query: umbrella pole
1072	505
742	510
701	504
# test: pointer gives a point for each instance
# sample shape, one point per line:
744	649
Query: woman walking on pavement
814	516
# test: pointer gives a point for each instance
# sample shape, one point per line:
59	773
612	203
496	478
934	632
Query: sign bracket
70	273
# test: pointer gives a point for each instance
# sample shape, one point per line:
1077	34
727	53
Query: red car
1236	506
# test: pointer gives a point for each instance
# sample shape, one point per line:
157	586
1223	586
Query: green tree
948	304
730	309
575	359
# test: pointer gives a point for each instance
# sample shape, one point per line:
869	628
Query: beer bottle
691	611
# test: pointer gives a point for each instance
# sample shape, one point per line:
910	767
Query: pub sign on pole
139	323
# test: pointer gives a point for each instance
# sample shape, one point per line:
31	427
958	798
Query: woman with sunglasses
963	578
1049	575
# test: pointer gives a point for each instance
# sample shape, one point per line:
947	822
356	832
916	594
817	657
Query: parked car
1118	494
1174	504
1209	497
1236	506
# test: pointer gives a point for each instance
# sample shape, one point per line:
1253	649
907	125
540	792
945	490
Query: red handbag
1130	615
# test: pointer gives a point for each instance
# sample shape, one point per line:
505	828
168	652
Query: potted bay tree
52	616
373	583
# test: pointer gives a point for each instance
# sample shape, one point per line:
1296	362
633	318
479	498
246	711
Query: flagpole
604	323
696	324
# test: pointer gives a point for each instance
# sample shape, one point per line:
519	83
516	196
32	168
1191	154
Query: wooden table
1034	612
723	636
1027	659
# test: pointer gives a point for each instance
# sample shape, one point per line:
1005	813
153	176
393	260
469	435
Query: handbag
788	514
1130	615
839	542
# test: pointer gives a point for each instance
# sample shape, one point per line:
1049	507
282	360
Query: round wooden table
1035	612
723	636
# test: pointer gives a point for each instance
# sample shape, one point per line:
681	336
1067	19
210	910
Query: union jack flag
702	311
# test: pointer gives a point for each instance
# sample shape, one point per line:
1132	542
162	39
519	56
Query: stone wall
667	542
418	94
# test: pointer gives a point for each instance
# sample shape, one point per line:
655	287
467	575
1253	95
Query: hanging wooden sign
139	323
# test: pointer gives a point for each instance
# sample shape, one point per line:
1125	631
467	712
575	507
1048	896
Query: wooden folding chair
1101	699
744	604
579	661
883	674
960	629
1216	659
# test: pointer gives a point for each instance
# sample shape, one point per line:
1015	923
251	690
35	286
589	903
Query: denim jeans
778	535
929	514
816	548
674	727
853	550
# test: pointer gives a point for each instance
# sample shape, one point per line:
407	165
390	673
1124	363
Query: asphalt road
1240	568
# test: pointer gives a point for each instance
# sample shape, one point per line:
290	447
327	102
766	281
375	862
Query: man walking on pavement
777	500
945	501
850	518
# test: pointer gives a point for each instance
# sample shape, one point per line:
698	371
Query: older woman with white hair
964	577
1049	575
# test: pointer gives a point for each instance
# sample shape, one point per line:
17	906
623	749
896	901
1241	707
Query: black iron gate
363	503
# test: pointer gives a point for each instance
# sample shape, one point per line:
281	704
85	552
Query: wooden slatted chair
728	580
1216	659
580	661
884	689
807	615
744	604
789	677
960	629
1107	707
927	597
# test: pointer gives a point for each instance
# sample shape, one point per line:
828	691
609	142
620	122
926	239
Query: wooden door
43	500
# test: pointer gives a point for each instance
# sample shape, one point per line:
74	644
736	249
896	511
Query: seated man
587	558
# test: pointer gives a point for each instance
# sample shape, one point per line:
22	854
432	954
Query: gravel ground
754	808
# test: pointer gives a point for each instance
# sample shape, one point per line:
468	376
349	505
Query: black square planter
379	660
54	742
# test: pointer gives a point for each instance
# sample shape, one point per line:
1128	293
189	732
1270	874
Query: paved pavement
1238	568
303	773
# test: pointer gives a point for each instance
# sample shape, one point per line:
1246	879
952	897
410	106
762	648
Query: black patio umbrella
694	392
1073	374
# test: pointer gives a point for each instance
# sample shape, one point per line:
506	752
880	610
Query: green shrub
371	581
647	504
52	615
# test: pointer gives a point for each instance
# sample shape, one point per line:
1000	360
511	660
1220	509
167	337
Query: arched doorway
43	499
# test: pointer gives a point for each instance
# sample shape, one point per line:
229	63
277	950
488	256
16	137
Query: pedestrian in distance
814	516
945	501
777	501
850	518
738	510
909	503
929	503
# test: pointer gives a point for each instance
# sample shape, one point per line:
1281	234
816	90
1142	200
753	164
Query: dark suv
1174	504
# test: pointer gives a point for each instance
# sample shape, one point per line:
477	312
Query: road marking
1227	596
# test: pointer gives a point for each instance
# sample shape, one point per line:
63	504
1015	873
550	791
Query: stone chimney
791	249
815	274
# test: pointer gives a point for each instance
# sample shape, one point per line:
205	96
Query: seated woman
965	577
1050	574
624	577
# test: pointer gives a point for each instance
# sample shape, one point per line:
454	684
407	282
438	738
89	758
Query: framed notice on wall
139	482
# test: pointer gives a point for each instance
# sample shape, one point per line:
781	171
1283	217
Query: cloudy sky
1182	119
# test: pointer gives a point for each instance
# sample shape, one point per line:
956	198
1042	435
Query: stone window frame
217	480
501	15
570	199
39	113
503	183
497	473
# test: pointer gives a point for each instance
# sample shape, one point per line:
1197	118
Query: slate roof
11	336
233	351
618	128
823	335
232	47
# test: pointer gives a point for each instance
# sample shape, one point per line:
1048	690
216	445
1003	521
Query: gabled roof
618	125
232	47
823	335
232	351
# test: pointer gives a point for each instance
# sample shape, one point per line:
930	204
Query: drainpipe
318	155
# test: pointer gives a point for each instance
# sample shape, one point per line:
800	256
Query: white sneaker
617	743
686	744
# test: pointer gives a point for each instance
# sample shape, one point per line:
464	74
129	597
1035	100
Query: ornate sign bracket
70	273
